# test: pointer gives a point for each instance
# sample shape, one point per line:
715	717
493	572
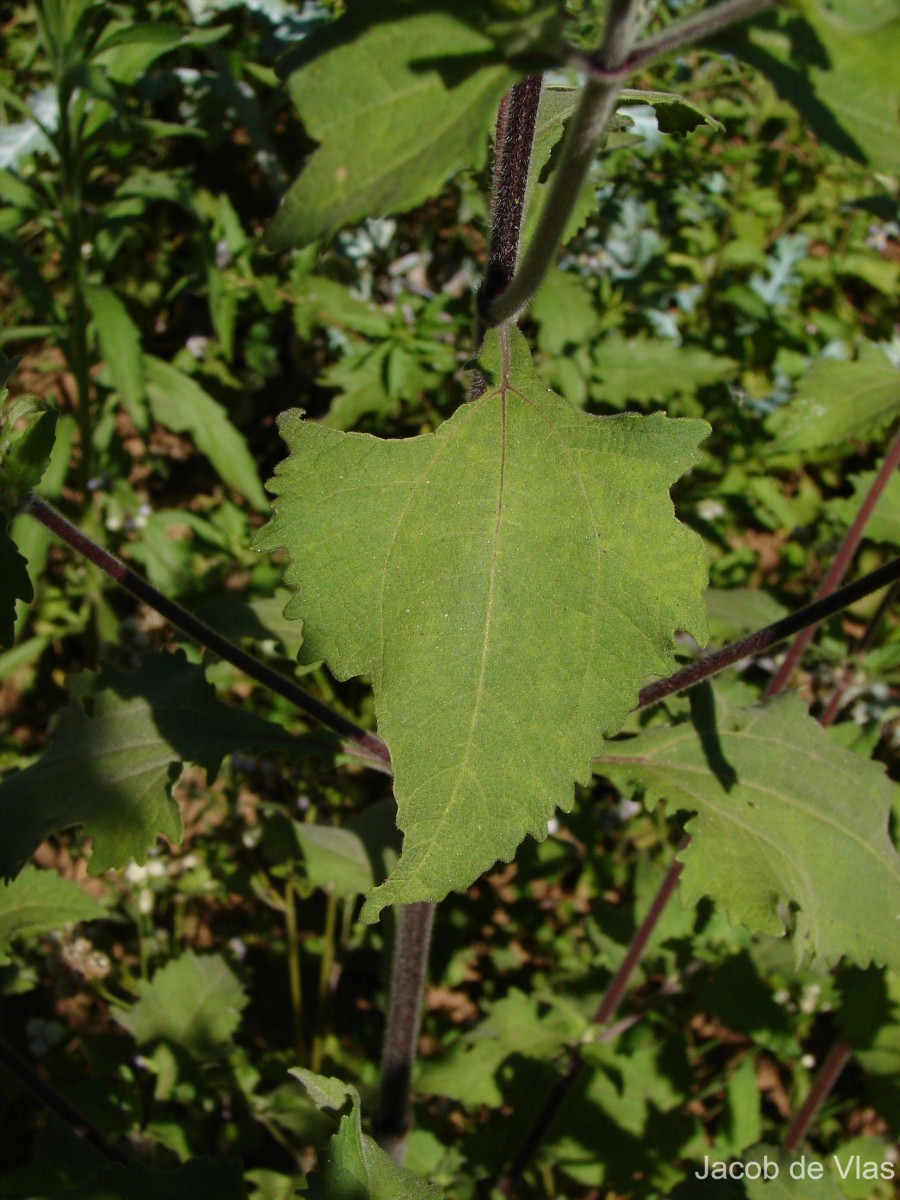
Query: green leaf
884	523
398	105
516	1025
41	901
194	1002
29	453
836	65
181	404
14	585
836	401
120	345
646	371
785	817
508	583
353	1166
674	113
335	859
199	1179
114	755
791	1176
736	611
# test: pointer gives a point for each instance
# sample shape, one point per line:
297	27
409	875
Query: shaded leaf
645	371
114	755
194	1002
41	901
181	404
398	104
784	817
120	345
199	1179
353	1166
736	611
836	65
441	565
14	585
782	1185
836	401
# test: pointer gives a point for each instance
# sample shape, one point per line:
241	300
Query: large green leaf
645	370
353	1166
398	101
182	405
836	400
837	64
508	583
194	1002
40	901
784	817
114	755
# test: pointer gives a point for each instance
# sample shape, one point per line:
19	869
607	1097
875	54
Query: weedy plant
511	581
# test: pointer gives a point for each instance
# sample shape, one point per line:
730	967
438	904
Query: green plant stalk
294	975
326	967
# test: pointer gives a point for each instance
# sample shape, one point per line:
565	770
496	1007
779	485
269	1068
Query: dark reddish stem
393	1117
827	1076
362	743
841	564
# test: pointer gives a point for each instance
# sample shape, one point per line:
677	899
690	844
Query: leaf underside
508	584
784	817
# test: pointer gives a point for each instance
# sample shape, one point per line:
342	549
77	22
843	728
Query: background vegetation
744	272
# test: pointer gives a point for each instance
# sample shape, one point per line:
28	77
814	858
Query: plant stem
613	997
764	639
29	1078
681	34
512	165
393	1117
326	967
586	129
824	1081
363	744
295	978
842	560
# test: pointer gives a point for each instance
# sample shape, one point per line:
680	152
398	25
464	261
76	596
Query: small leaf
836	401
441	565
353	1166
784	817
14	585
645	371
674	113
120	345
194	1002
29	453
335	859
41	901
424	94
112	771
883	524
181	404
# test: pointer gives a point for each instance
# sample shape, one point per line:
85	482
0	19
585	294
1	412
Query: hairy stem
393	1117
586	129
764	639
362	743
704	25
842	561
295	978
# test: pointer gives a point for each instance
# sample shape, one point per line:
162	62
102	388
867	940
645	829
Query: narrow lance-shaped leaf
111	769
399	99
508	583
784	816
